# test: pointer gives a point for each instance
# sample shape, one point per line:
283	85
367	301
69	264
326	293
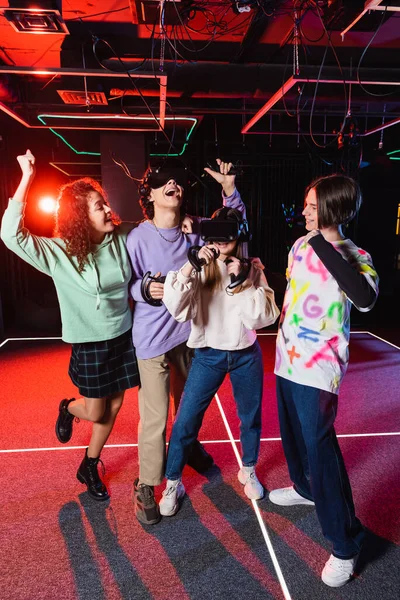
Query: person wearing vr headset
224	317
156	246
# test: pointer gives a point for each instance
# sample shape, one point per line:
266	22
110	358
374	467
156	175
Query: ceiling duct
44	18
81	98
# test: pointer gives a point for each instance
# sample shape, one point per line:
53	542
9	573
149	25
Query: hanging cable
329	44
362	58
383	122
87	100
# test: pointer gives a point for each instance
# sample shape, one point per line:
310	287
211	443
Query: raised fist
27	163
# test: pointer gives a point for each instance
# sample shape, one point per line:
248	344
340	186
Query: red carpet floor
57	543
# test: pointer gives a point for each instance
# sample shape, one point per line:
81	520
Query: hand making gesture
27	163
222	177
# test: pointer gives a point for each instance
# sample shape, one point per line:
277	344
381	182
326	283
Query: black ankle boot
199	459
64	422
88	473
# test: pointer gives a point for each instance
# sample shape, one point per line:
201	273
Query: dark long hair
338	199
72	219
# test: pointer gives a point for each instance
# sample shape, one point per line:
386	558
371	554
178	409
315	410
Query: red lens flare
47	204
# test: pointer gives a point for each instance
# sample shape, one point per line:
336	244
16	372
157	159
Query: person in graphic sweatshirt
159	245
90	267
327	274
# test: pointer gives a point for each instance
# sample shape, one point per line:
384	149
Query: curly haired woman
90	268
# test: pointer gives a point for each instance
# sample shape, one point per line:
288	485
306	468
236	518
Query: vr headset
158	178
157	175
224	228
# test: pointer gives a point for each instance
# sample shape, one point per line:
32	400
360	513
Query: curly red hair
72	220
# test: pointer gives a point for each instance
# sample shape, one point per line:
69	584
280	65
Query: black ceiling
195	59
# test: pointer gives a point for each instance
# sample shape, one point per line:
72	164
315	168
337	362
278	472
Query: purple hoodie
155	331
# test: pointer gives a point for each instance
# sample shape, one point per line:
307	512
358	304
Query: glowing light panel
47	204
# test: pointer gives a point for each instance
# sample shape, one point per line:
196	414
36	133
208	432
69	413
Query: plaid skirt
100	369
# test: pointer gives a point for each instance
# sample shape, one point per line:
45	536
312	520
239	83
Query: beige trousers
159	377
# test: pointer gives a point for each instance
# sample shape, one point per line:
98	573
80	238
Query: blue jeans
206	375
315	462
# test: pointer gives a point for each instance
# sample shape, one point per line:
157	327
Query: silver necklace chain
164	238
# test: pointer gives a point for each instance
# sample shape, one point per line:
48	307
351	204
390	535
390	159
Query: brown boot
146	508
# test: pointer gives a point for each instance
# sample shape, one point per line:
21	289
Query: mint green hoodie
94	304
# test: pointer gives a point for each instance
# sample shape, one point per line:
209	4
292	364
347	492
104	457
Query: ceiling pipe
369	5
64	71
22	121
275	98
289	83
118	93
17	118
195	110
96	73
382	127
294	133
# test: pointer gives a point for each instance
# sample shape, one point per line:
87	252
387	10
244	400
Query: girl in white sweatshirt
224	319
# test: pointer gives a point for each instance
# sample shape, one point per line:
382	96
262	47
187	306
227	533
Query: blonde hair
213	279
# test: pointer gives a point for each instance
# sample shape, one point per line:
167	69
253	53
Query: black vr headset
225	226
157	176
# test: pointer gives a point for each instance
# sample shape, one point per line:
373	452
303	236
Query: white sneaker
338	571
252	487
169	503
288	497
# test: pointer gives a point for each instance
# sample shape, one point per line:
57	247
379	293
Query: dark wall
122	191
272	185
29	302
380	183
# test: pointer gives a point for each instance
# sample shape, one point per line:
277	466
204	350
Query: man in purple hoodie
158	245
